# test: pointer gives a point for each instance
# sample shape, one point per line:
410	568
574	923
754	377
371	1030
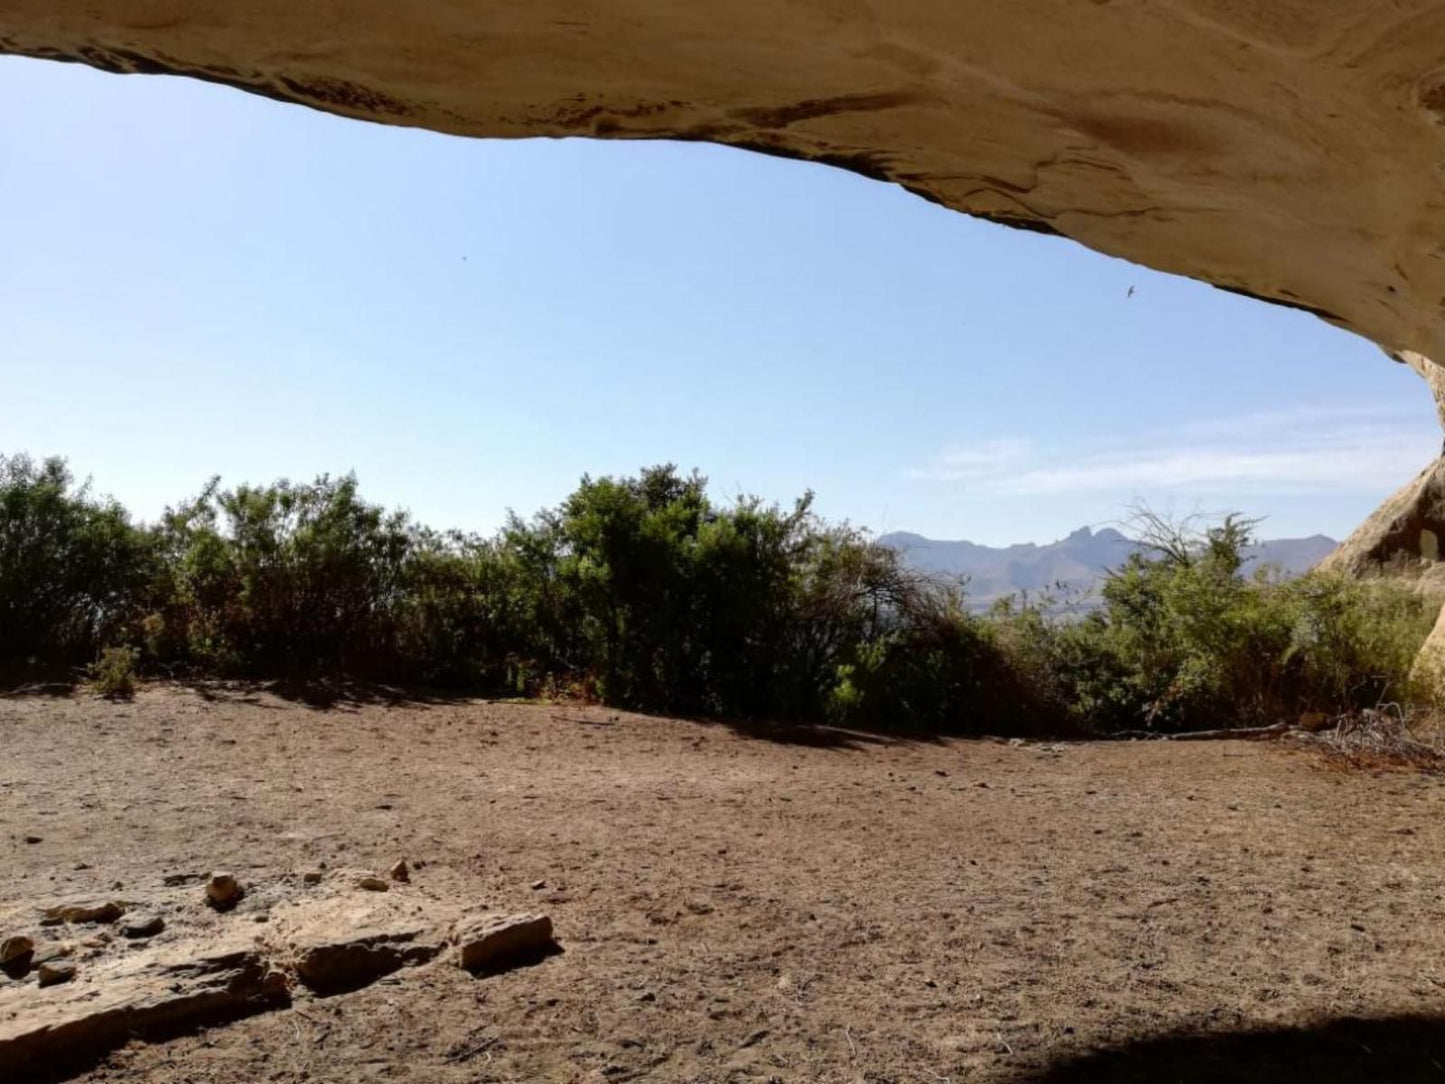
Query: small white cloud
986	460
1309	450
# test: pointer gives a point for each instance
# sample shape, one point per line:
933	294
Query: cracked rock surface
68	1004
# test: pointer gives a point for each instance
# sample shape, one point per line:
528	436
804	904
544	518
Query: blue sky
197	281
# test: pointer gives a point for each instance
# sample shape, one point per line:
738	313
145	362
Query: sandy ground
736	908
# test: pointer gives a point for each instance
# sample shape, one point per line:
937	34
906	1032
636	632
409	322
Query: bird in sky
1130	293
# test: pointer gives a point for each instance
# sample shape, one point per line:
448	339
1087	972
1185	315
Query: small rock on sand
14	948
312	878
223	892
329	960
52	950
107	911
146	925
373	883
401	871
496	942
53	972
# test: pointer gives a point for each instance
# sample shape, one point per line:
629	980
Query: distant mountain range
1078	561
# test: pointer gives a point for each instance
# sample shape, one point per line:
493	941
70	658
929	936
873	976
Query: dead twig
471	1050
1376	739
581	722
1243	733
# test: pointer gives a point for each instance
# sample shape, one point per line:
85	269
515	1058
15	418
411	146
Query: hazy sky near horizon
196	281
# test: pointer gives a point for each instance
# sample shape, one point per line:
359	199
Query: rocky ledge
81	976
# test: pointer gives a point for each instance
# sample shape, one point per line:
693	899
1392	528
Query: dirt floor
806	906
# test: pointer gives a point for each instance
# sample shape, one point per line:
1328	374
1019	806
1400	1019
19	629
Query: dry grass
1388	738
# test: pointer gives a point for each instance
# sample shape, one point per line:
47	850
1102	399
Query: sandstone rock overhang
1291	150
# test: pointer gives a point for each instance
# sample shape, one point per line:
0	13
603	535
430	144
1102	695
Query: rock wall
1406	535
1291	150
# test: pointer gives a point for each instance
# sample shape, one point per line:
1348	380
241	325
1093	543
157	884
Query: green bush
287	576
71	565
1186	640
113	674
642	592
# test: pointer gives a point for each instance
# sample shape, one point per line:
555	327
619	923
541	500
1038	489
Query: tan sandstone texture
1293	150
1403	537
494	942
63	1004
127	997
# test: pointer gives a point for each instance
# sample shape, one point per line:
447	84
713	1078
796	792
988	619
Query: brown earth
804	906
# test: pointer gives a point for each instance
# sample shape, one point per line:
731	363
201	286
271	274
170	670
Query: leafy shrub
71	564
1354	642
113	674
289	575
1186	640
643	593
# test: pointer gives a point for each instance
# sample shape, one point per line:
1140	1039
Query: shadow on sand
810	735
1387	1050
324	694
58	689
347	695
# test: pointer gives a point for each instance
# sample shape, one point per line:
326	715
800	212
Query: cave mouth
968	292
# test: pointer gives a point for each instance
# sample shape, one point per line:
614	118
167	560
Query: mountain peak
1078	561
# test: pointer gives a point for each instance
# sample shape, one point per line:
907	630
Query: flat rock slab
72	1003
53	972
339	942
349	961
82	911
103	1008
492	943
143	925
